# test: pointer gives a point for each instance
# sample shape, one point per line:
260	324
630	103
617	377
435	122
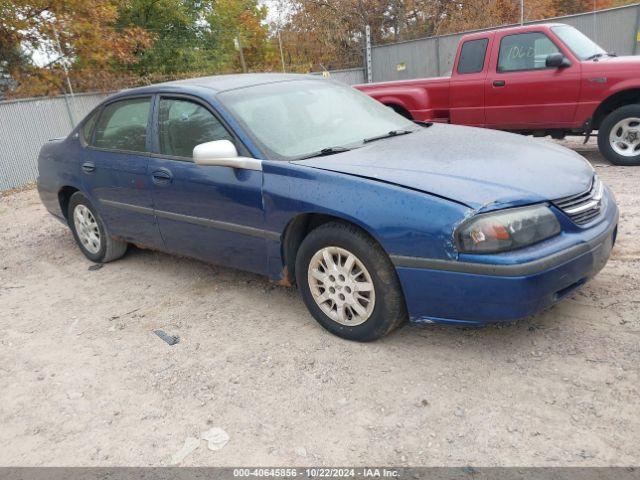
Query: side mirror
557	60
223	153
211	153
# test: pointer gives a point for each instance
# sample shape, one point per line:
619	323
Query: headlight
506	229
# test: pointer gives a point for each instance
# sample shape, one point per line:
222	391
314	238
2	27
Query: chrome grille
583	207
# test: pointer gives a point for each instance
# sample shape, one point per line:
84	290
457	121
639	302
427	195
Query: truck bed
413	95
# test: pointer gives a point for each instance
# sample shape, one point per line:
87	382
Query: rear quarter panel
58	166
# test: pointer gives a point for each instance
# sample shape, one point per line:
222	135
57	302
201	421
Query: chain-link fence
25	125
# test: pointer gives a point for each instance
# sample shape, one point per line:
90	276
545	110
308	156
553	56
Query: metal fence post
367	54
636	34
72	121
438	56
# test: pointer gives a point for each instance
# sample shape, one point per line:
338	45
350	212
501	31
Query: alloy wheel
624	137
87	228
341	286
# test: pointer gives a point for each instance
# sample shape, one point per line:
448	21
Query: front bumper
477	293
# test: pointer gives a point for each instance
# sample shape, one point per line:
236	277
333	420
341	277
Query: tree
77	35
234	24
177	32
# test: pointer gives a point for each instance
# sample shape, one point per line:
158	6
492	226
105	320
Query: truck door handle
499	83
162	177
88	167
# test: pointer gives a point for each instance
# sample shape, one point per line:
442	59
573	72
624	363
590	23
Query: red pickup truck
546	79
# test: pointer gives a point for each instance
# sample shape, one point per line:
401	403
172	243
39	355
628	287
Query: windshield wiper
596	56
326	151
392	133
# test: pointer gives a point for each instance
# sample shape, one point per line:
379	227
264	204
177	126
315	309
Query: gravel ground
85	382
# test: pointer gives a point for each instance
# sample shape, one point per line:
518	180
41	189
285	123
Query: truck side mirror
557	60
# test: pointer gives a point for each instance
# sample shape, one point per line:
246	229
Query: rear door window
123	125
472	56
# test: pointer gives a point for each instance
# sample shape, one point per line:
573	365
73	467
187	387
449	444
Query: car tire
612	136
348	283
90	233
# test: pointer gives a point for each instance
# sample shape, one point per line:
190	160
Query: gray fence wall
25	125
350	76
614	29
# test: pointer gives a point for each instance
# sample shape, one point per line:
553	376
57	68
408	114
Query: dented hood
483	169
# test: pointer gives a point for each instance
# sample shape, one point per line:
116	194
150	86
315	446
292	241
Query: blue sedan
378	220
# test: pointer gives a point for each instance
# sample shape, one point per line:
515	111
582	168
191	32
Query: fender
623	93
291	190
629	84
409	98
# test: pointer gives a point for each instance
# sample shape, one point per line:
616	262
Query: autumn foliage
48	47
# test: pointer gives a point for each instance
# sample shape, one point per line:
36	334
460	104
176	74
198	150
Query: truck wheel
619	136
90	233
401	111
349	283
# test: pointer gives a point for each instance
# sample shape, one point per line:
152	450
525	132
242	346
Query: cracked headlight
506	230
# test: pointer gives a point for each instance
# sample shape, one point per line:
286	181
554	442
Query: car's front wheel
619	136
90	233
349	283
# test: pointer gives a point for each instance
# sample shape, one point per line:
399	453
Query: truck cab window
472	56
525	51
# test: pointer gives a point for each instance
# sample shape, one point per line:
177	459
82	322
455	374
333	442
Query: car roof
511	30
220	83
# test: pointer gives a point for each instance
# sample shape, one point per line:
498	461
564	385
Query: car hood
624	63
483	169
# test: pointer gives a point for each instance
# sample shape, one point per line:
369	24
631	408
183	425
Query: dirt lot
84	381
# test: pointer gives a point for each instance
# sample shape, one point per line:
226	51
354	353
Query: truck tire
90	233
348	283
400	111
619	136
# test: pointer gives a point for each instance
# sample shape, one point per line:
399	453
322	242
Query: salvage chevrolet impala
377	219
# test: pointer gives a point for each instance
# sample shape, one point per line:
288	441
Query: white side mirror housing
223	153
209	153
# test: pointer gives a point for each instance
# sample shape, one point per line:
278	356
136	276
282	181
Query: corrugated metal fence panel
448	48
399	61
25	125
614	30
350	76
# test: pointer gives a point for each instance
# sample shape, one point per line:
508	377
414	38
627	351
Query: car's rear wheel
90	233
348	283
619	136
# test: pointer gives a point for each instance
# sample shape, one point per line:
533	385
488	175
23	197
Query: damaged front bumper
474	293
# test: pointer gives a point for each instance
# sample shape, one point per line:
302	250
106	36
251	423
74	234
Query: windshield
581	45
299	118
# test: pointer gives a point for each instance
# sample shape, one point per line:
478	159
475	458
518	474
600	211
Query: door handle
162	177
88	167
499	83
